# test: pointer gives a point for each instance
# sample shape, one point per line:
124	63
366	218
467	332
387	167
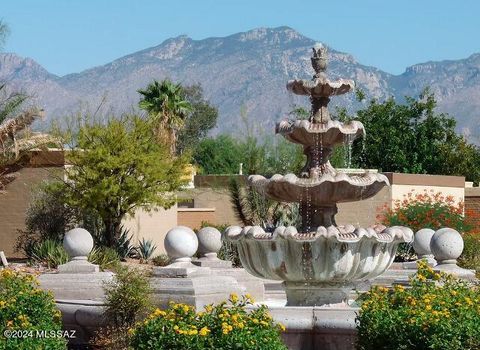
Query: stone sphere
209	240
421	241
78	242
446	244
181	242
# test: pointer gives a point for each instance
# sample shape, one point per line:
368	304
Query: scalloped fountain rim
288	126
346	234
365	179
345	85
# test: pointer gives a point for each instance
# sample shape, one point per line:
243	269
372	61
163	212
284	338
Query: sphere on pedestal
78	242
181	242
209	240
421	241
446	244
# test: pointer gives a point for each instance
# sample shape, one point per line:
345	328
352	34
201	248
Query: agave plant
145	249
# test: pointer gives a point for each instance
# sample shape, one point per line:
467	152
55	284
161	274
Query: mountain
243	71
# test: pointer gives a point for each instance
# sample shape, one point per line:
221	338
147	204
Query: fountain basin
320	86
308	133
329	188
320	267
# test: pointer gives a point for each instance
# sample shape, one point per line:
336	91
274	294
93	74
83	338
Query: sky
68	36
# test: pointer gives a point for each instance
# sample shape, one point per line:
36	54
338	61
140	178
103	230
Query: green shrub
161	260
427	210
437	312
470	258
219	327
23	306
127	296
50	253
106	258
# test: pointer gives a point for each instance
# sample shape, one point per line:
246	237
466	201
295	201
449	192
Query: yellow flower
2	304
186	308
204	331
9	323
233	297
255	321
208	308
282	327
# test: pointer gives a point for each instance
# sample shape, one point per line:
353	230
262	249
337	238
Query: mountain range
244	71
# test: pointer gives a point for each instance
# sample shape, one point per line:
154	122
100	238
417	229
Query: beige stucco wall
363	213
152	225
218	199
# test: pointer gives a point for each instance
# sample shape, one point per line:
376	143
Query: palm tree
15	140
165	103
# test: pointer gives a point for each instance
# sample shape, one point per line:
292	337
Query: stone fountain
319	262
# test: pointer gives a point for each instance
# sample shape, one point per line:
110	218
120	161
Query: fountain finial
319	58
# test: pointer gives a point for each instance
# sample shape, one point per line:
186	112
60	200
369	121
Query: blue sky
67	36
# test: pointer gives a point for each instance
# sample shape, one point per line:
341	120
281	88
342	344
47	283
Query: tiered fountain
320	262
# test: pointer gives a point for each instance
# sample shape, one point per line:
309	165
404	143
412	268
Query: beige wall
399	192
152	225
194	217
363	213
217	198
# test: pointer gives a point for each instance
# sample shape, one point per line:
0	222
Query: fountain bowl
320	267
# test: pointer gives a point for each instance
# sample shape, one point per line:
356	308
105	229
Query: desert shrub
220	327
437	312
161	260
470	258
425	210
145	249
23	306
106	258
127	296
49	252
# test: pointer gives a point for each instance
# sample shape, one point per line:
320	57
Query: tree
119	167
220	155
413	138
165	103
15	119
199	121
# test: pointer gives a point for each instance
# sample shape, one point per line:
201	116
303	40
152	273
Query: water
347	143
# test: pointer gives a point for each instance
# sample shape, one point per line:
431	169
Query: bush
425	210
470	258
23	306
50	253
106	258
437	312
219	327
161	260
127	296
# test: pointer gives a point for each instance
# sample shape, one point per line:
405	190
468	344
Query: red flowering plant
427	209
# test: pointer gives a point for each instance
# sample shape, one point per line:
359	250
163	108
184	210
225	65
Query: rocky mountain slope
245	70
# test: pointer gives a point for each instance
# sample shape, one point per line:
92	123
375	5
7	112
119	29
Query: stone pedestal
421	245
197	287
184	282
447	246
318	294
